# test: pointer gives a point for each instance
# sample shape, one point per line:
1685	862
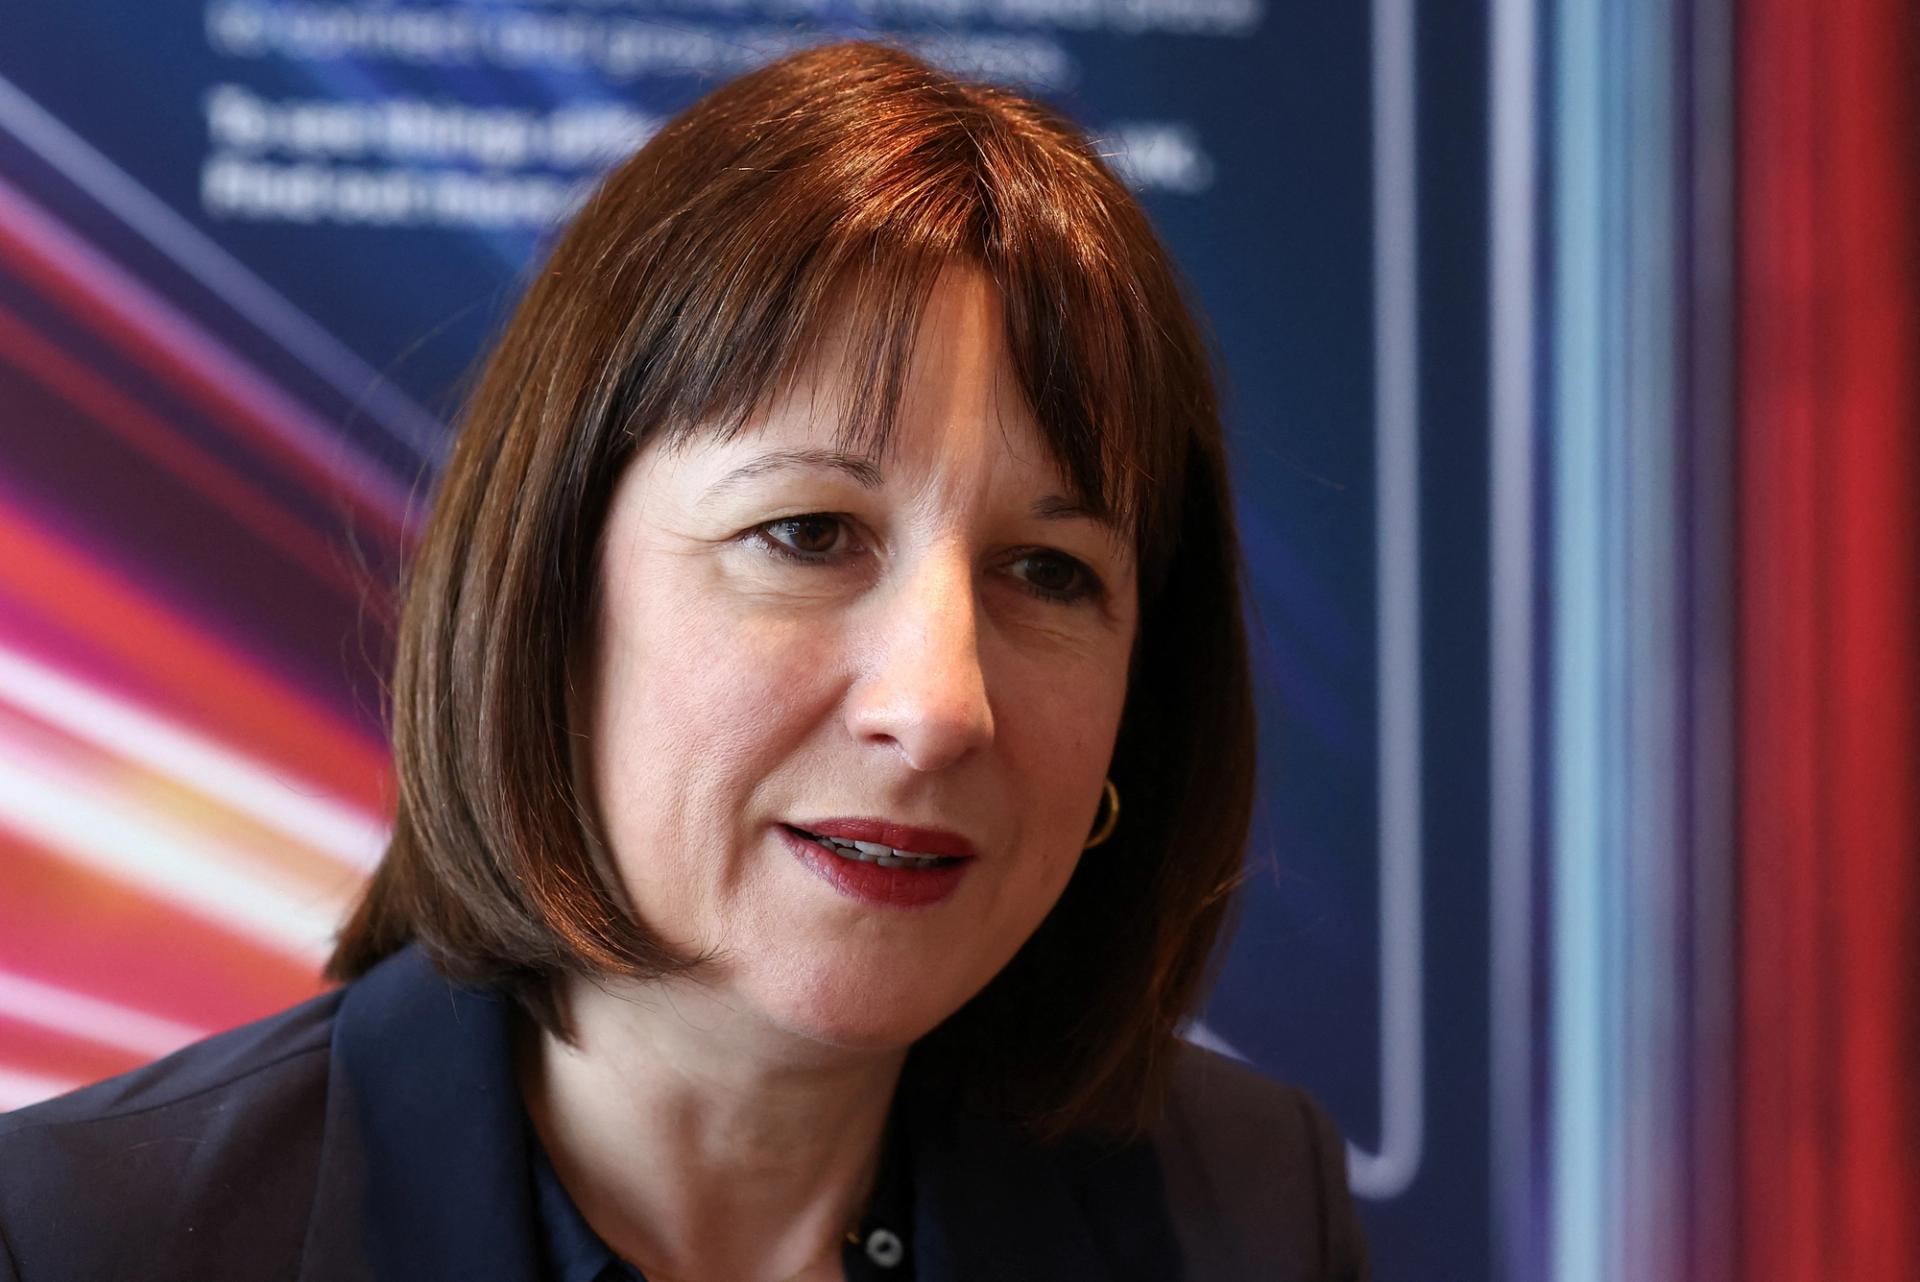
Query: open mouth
869	852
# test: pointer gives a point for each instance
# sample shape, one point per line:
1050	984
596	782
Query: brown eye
812	535
1054	577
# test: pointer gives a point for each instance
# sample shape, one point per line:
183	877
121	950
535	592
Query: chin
845	1009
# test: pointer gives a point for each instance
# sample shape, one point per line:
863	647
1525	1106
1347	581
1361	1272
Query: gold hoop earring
1106	826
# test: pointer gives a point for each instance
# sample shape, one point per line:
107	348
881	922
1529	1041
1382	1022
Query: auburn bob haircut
838	181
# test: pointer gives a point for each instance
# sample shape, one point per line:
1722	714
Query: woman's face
927	651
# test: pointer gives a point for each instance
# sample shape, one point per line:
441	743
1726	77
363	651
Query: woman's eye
1053	576
820	537
808	537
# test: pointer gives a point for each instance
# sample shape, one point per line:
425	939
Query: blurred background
1571	352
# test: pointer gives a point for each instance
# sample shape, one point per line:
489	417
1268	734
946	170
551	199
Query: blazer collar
424	1164
423	1167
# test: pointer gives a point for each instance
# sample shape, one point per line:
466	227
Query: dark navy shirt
880	1251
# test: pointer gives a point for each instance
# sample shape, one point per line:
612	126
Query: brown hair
836	181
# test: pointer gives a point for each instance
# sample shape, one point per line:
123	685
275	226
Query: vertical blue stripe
1578	1125
1512	565
1654	855
1618	849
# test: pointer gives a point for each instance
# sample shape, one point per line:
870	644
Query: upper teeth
870	852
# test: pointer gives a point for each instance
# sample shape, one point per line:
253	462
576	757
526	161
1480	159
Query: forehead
955	402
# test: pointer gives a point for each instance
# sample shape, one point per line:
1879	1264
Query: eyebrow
858	466
866	472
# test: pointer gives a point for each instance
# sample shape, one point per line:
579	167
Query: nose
923	687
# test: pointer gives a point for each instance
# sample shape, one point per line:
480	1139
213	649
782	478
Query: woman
838	533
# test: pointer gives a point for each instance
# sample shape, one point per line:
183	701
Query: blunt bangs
831	189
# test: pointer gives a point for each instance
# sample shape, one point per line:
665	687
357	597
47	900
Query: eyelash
1091	588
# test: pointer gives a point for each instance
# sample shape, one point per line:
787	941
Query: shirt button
885	1249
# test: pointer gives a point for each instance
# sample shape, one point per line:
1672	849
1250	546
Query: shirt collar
573	1251
881	1249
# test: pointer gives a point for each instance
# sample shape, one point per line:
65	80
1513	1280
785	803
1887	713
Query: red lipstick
897	887
921	841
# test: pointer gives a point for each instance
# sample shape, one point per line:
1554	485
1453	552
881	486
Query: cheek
1058	738
1059	735
692	710
706	675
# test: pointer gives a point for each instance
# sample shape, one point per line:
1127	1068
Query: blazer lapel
423	1168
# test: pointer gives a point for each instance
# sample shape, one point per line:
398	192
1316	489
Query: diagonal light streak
1201	1034
206	679
81	1015
297	810
87	390
224	275
103	829
171	344
19	1089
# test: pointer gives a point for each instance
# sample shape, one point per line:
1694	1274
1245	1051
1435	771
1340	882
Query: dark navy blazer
376	1132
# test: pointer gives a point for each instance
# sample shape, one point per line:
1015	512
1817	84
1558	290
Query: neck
700	1143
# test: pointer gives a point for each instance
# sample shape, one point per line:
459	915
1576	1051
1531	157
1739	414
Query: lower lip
872	884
